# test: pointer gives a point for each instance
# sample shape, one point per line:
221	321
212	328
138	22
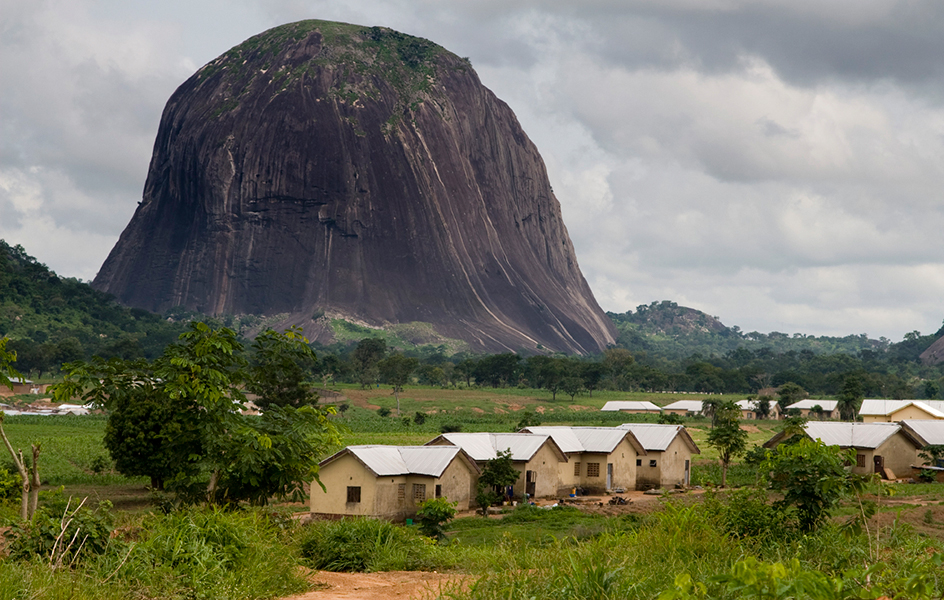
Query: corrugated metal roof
486	446
827	405
616	405
403	460
873	407
653	437
689	405
583	439
930	432
752	404
851	435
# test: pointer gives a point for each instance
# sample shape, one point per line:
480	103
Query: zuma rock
322	168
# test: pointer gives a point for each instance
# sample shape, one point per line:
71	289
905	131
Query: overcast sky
776	163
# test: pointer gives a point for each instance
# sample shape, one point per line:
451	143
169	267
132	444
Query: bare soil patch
387	585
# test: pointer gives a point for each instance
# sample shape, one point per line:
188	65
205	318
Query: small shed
827	410
892	411
668	458
600	459
536	457
632	407
878	446
389	482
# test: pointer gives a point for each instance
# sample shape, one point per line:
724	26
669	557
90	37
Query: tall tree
850	397
281	369
790	393
726	436
365	357
396	370
209	448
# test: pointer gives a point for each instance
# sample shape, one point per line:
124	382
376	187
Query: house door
688	472
879	465
531	483
609	476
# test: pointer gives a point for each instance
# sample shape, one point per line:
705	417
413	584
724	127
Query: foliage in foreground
189	554
369	545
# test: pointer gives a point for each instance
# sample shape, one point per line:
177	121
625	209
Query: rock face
325	168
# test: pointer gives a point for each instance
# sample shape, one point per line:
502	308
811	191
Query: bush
748	513
63	535
10	486
367	545
433	514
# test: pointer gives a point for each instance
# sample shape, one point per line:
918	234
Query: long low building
683	408
390	482
827	408
668	460
536	457
892	411
635	407
600	459
878	446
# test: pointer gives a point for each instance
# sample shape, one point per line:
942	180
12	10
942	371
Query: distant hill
54	319
672	332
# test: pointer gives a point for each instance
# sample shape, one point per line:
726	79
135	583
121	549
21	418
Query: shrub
65	536
433	514
367	545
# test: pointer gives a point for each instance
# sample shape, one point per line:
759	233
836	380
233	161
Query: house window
401	492
353	493
419	492
652	463
577	469
593	469
438	491
638	462
860	460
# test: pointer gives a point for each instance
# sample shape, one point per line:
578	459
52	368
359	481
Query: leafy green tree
281	368
191	396
618	363
850	398
726	436
497	370
931	389
762	407
497	474
710	406
811	476
592	373
790	393
419	418
7	358
572	386
364	359
670	419
465	369
396	370
433	514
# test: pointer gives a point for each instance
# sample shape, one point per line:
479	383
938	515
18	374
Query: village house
632	407
390	482
668	459
883	448
827	409
928	433
600	459
683	408
536	457
892	411
19	385
749	410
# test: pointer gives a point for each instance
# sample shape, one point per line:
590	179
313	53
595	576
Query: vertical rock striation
322	167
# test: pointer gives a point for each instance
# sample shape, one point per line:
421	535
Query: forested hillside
52	319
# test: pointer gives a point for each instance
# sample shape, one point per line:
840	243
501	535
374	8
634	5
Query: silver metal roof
617	405
584	439
874	407
851	435
402	460
486	446
752	404
807	404
689	405
930	432
654	437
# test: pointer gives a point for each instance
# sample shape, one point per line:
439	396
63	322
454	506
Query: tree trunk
24	476
34	482
724	473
